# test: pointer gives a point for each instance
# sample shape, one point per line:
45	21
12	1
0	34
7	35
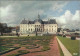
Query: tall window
41	29
31	29
37	29
52	29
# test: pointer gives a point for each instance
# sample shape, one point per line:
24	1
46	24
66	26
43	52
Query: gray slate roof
51	21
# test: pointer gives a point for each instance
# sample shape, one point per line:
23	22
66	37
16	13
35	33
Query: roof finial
38	16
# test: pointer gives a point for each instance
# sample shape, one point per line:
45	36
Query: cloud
59	5
13	12
5	11
77	15
68	20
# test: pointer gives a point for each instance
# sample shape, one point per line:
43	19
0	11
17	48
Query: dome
38	20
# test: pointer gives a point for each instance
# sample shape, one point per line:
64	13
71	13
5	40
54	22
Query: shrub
73	38
37	46
45	48
76	33
6	51
13	54
32	47
36	51
59	34
64	35
23	51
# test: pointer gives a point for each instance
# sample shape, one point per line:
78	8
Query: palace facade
39	26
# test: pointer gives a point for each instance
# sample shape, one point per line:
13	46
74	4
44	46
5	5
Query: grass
71	45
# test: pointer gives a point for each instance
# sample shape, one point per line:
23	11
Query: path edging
64	49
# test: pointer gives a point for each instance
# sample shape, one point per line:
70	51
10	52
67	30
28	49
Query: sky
66	13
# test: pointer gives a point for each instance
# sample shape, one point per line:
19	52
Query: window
31	29
39	29
35	29
52	29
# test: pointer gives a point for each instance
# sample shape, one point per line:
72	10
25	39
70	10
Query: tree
59	29
1	29
77	29
17	34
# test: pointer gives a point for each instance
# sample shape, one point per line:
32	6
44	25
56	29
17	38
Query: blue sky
72	6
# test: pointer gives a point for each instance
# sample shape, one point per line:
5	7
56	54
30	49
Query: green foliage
23	41
39	55
13	54
73	37
45	48
64	35
23	51
32	47
3	48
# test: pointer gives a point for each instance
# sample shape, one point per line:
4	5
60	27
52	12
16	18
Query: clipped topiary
45	48
64	35
23	51
13	54
73	37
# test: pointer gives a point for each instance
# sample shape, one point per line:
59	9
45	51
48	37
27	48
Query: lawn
29	42
71	45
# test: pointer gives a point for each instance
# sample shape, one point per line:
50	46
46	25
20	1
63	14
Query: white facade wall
30	28
27	28
50	28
